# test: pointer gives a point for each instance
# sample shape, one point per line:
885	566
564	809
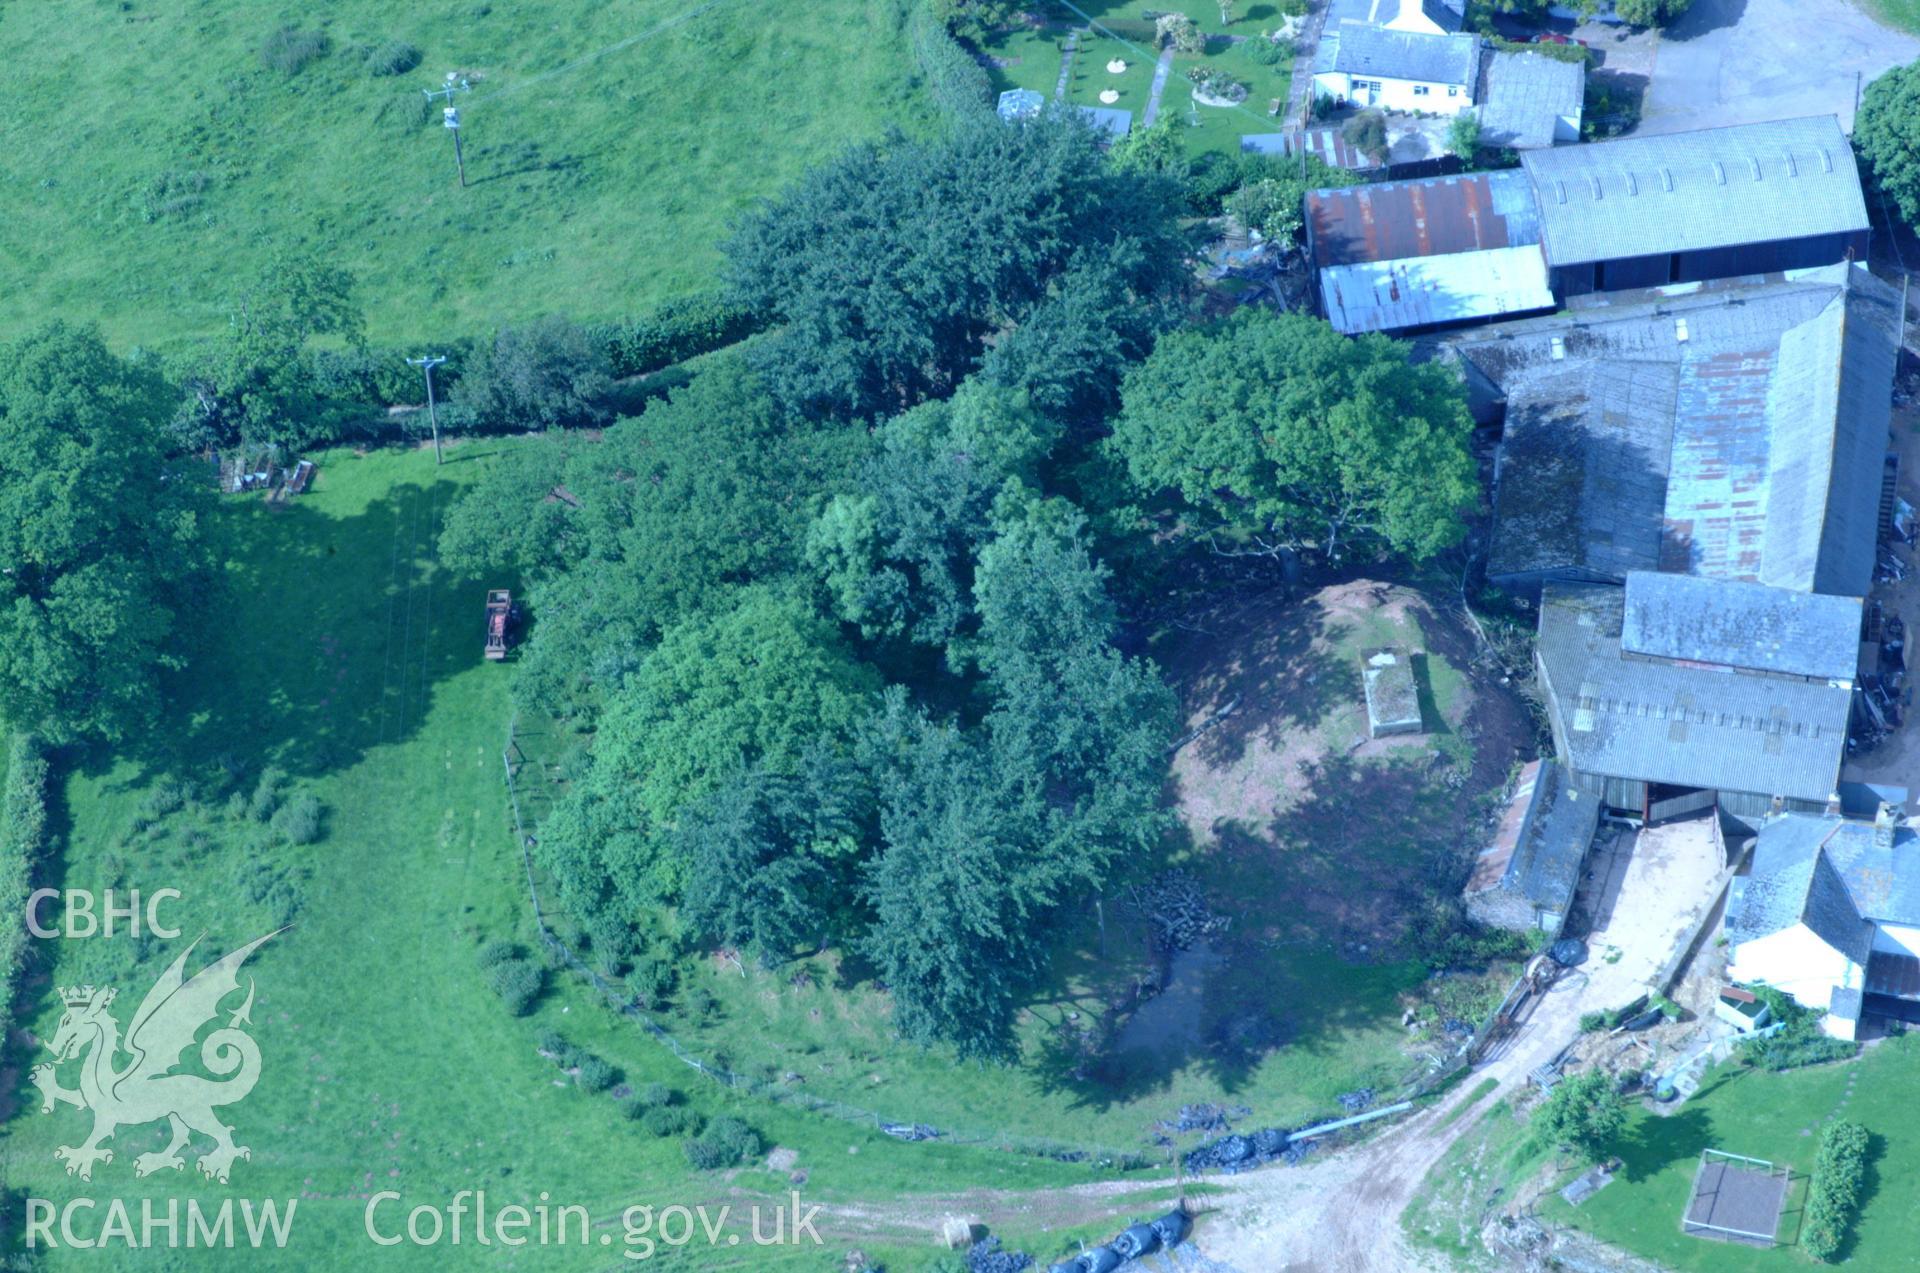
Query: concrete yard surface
1746	61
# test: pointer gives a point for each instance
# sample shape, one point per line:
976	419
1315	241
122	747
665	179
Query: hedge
1834	1195
23	830
957	82
676	331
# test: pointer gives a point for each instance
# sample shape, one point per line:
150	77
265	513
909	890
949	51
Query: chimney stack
1833	804
1886	823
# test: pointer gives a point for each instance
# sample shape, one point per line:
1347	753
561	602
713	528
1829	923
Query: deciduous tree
1887	137
1279	433
100	543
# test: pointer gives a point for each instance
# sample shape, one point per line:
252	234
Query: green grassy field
339	653
1777	1117
153	160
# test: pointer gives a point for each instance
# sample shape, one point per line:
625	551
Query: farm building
1528	100
1427	17
1526	876
1444	250
1397	70
1737	431
1393	696
1684	207
1720	203
1831	915
1657	736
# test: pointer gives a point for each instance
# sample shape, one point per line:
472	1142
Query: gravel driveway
1744	61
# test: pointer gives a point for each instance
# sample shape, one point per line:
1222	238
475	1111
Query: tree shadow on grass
1658	1143
323	638
1280	680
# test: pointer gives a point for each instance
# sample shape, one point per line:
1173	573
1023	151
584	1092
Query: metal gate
1667	804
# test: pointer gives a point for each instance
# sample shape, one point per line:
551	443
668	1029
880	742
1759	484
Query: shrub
1367	133
669	1120
1264	51
676	331
1798	1042
518	982
651	982
298	820
546	374
167	796
551	1041
395	57
1592	1021
595	1074
653	1095
1583	1113
404	112
289	49
266	795
958	85
727	1142
498	952
1833	1197
1178	32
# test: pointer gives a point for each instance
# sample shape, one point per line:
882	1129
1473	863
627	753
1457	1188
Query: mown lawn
337	651
1777	1117
152	160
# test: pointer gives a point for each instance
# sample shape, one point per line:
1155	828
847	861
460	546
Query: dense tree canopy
1651	13
1278	432
889	267
258	386
99	542
1886	135
620	539
540	375
757	683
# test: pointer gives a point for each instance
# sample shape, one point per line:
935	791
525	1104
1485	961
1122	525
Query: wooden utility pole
427	364
450	116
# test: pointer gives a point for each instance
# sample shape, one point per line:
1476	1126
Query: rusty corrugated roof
1434	216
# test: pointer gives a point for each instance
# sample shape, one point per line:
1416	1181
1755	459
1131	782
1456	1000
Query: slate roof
1525	97
1377	53
1745	625
1400	220
1715	187
1656	721
1542	840
1735	431
1448	15
1827	872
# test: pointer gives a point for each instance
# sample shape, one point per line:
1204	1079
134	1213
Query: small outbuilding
1393	698
1526	876
1529	100
1112	121
1020	103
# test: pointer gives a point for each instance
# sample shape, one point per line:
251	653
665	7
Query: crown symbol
82	996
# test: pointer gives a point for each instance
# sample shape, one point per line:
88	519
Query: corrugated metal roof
1744	625
1108	119
1376	52
1679	192
1654	721
1736	432
1373	296
1526	95
1435	216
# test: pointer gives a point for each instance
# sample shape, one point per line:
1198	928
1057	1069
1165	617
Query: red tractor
499	622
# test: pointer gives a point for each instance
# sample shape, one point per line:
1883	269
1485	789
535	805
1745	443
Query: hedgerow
23	829
1834	1196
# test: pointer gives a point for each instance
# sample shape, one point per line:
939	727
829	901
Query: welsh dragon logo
142	1090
